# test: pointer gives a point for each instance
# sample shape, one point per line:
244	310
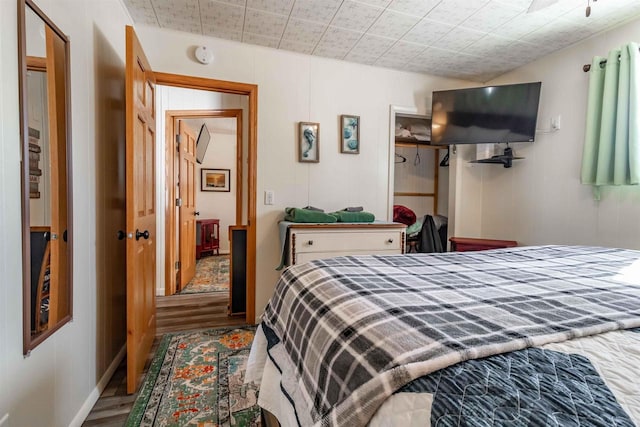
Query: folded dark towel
344	216
353	209
307	215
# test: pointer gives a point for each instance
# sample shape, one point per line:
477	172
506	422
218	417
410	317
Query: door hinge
178	202
177	265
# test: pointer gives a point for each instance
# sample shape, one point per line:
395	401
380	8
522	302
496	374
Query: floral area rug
212	275
197	379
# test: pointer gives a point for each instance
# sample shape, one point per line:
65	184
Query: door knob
196	213
121	235
144	234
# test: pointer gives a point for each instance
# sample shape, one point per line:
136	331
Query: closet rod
399	193
587	67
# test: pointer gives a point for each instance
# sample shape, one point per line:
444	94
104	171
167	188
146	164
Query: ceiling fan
541	4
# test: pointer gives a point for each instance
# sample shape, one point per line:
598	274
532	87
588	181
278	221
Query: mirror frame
29	341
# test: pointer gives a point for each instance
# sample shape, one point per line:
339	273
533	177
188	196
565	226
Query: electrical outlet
269	197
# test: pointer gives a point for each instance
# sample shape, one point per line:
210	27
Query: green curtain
612	141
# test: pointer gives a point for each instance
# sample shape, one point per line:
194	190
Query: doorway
141	196
208	187
418	175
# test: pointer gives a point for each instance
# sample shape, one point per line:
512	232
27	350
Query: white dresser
307	242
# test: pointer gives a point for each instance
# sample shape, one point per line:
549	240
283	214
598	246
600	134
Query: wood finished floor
175	313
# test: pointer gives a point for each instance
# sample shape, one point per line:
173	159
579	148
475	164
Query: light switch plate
269	197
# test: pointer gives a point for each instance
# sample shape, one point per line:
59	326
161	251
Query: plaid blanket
352	330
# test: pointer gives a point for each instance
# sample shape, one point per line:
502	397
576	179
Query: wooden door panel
187	188
141	220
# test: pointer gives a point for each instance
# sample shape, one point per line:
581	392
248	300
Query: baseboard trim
97	391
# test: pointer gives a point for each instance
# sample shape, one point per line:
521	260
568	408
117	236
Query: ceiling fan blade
540	4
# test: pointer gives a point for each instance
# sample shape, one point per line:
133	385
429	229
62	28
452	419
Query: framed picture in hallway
215	180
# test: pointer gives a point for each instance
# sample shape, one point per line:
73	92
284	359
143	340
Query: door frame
250	90
171	251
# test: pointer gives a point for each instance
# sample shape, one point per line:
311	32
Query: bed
544	336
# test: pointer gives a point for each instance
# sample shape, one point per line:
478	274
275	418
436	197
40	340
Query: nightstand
207	236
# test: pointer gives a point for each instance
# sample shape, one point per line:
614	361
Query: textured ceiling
468	39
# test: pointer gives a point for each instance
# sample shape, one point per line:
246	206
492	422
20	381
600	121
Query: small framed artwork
350	134
309	142
215	180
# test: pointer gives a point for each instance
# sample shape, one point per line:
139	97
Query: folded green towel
307	215
344	216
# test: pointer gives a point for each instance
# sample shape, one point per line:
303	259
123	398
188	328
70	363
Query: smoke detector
204	55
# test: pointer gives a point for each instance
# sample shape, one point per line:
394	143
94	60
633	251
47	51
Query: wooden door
56	97
187	188
141	214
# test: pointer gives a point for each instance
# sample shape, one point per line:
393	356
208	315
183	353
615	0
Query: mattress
458	338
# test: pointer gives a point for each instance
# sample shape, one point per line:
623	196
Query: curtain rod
587	67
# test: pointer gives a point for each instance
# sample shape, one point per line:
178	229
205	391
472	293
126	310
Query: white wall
292	88
51	386
540	199
221	154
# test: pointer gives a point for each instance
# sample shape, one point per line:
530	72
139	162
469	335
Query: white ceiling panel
339	39
471	39
264	23
458	39
295	46
361	58
490	16
330	52
222	33
454	12
241	3
377	3
302	31
371	45
217	16
314	10
426	32
404	51
393	24
356	16
281	7
260	40
413	7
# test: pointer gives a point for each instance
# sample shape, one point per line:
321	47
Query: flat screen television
489	114
202	143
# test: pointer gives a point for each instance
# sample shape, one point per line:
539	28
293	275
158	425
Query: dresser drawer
310	256
328	241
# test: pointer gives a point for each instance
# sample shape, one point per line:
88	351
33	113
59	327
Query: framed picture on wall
309	142
215	180
349	134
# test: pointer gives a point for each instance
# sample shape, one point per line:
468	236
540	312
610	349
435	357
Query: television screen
485	114
202	143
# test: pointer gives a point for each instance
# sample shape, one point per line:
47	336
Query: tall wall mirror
43	58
